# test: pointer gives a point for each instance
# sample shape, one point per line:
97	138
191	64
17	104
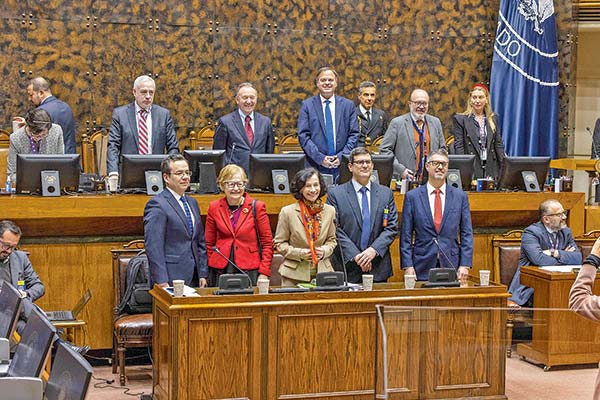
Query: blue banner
524	81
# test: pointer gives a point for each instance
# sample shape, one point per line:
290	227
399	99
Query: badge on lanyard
386	215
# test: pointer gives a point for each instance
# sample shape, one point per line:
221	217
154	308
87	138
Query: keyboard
223	292
330	288
288	290
60	316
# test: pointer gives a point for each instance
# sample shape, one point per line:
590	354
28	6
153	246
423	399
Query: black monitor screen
197	156
30	167
261	165
465	163
70	375
10	306
510	173
382	163
134	167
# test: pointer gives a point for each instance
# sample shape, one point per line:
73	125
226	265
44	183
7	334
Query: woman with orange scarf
305	233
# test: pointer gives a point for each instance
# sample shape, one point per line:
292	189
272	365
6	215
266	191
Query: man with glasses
546	242
367	222
436	226
173	232
412	136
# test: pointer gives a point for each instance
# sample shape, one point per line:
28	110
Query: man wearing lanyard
546	242
412	136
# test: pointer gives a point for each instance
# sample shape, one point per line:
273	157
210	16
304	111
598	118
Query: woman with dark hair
305	233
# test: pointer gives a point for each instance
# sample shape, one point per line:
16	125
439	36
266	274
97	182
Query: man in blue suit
546	242
140	127
173	232
440	218
327	125
244	131
40	96
367	222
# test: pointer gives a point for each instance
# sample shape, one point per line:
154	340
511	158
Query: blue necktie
329	130
366	219
188	215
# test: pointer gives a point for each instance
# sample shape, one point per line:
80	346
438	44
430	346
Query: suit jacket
374	129
220	233
534	241
230	136
466	141
311	131
20	144
399	140
596	140
21	269
172	252
349	228
455	237
290	238
62	115
123	134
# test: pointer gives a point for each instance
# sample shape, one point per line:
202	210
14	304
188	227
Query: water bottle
8	187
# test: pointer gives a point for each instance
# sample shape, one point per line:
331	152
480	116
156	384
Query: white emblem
537	11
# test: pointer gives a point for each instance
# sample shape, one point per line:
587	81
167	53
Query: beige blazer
290	238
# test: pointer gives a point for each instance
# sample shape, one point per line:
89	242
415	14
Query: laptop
71	315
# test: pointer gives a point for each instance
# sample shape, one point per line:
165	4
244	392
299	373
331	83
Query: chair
450	144
288	144
373	145
586	241
70	375
202	139
275	279
128	330
4	145
93	152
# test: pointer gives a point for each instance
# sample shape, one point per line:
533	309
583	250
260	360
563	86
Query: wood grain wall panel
242	15
354	15
308	15
12	8
162	353
122	11
60	9
16	61
198	13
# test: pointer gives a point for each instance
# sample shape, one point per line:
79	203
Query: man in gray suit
372	122
140	127
244	131
412	136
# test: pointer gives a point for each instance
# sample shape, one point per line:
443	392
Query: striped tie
142	133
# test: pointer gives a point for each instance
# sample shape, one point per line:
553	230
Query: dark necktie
554	240
248	129
437	210
369	116
329	129
142	133
188	215
366	219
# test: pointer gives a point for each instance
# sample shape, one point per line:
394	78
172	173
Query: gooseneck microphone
337	225
216	250
443	253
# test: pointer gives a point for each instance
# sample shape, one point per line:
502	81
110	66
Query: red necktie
248	129
142	133
437	210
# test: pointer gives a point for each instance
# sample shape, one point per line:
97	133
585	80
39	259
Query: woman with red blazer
238	230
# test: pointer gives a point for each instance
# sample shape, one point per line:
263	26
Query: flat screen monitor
30	167
10	307
261	165
216	157
134	166
70	375
382	163
510	173
465	163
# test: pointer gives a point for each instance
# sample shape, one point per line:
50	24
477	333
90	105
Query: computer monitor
261	166
216	157
510	173
465	163
30	167
382	163
134	166
70	375
10	307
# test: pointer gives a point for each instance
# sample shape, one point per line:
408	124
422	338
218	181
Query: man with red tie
140	127
438	216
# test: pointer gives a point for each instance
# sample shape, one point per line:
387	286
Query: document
560	268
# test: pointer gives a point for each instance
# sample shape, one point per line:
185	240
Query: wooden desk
322	345
72	331
560	337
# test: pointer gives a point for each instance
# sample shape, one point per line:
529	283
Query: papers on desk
187	291
560	268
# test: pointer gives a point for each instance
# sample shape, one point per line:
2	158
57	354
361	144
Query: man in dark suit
367	222
438	217
40	96
546	242
244	131
173	232
371	121
327	125
140	127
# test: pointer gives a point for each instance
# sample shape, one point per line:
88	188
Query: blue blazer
172	252
349	228
455	237
62	115
123	134
230	136
311	131
534	241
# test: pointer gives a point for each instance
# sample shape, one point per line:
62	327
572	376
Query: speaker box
281	183
154	182
207	178
530	181
453	179
50	184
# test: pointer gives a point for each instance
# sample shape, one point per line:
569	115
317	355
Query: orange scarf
311	219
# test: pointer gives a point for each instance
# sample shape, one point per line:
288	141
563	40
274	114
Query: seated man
546	242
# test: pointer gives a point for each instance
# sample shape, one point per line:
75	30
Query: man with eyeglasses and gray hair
412	136
546	242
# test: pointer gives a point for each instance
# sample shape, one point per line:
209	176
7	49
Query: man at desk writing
546	242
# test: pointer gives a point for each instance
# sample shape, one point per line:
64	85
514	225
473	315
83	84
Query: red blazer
220	233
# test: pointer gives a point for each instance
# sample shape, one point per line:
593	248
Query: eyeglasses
419	103
232	185
558	214
6	246
362	162
181	173
437	164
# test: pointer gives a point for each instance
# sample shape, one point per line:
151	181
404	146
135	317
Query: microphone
216	250
337	225
231	154
443	253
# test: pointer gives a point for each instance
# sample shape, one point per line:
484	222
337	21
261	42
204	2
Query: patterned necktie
142	133
369	116
188	215
366	219
329	129
437	210
248	129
